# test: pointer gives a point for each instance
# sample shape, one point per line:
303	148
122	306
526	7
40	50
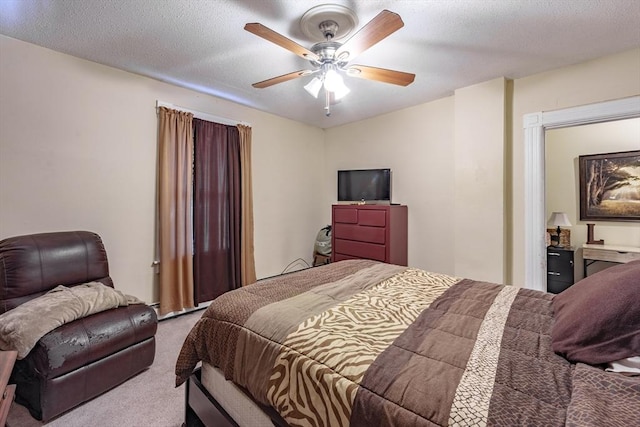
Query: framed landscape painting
610	186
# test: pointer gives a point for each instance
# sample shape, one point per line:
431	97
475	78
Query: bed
363	343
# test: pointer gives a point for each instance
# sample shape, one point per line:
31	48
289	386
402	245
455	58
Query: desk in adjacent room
608	253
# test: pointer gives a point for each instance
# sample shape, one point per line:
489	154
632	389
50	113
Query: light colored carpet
148	399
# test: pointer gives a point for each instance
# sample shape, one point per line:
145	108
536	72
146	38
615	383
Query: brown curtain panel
247	264
175	223
216	210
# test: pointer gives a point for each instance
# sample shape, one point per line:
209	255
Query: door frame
535	125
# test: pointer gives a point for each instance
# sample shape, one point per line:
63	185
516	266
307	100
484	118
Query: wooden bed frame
203	410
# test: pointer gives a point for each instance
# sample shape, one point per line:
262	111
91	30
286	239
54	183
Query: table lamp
558	219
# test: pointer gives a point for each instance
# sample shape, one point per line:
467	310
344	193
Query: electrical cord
293	262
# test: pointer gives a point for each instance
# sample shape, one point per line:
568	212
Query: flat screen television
364	185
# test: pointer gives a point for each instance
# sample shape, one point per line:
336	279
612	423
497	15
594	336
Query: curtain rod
201	115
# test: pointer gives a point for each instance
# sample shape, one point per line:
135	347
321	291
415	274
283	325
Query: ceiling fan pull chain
327	103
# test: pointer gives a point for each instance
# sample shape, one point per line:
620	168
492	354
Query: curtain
247	264
175	224
217	210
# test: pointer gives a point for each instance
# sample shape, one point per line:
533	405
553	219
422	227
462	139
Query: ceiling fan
330	58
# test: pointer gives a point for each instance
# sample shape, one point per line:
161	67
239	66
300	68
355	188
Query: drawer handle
553	273
554	254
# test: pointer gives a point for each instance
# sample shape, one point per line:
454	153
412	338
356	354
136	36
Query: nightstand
559	268
7	392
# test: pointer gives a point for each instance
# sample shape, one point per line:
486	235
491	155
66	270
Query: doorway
535	125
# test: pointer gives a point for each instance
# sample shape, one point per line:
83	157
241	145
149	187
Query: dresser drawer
560	262
559	269
342	257
372	218
556	286
359	249
360	233
346	215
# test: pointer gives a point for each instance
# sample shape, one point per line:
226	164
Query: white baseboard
156	307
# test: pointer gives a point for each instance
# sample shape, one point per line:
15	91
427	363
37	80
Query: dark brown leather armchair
84	358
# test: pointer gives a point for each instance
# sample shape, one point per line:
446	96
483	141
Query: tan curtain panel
175	195
247	263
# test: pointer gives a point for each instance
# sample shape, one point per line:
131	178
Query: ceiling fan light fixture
332	80
341	91
313	87
329	57
334	83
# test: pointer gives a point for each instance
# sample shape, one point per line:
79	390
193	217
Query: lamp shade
559	219
313	87
341	90
332	80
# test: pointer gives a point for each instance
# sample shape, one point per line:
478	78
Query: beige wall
436	132
447	162
612	77
563	146
418	145
78	147
479	194
78	151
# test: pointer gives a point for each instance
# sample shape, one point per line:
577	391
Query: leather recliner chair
88	356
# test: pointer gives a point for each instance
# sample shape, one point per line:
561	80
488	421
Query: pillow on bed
597	320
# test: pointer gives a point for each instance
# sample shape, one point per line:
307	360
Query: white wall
563	146
78	151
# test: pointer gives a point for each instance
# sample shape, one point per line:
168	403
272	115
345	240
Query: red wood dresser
377	232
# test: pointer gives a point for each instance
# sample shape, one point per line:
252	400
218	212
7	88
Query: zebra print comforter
363	343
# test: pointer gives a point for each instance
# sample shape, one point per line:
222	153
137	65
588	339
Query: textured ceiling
447	44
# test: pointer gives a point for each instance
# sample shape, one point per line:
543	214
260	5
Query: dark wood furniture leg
201	409
7	392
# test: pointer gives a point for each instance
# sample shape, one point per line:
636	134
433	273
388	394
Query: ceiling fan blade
270	35
381	75
281	79
383	25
